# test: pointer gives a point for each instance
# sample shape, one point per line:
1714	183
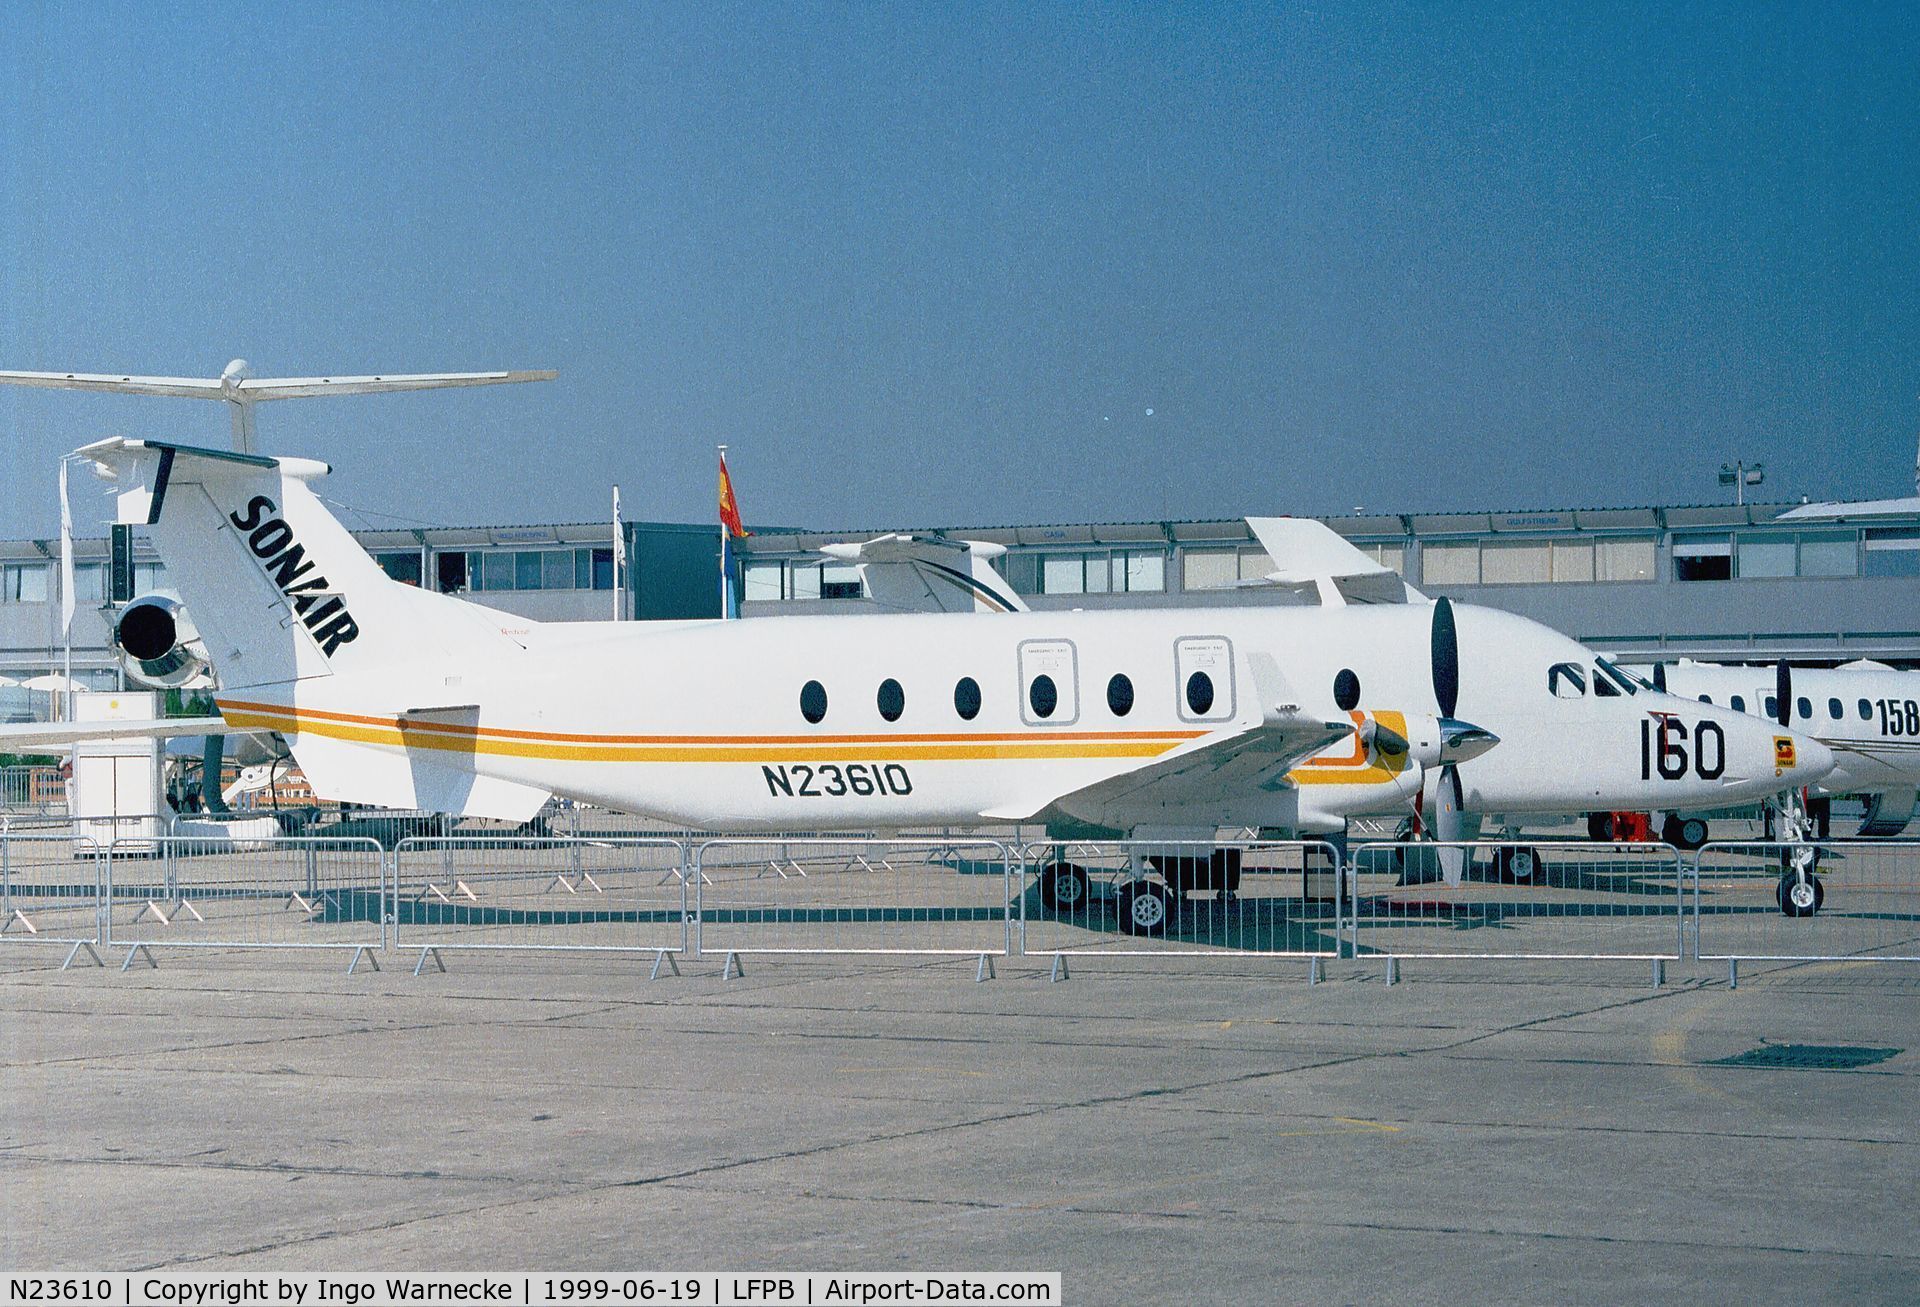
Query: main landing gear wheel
1144	908
1800	897
1600	826
1684	832
1519	866
1063	887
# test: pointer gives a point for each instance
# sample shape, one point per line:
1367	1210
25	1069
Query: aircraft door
1203	678
1049	683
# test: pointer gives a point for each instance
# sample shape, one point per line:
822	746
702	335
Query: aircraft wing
26	736
1197	774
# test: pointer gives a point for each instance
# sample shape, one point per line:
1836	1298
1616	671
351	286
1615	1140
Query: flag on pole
66	556
730	530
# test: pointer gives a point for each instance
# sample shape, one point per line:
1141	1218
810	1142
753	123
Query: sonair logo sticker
1783	752
287	566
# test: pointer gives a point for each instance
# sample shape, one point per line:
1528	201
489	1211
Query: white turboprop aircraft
1867	713
1165	724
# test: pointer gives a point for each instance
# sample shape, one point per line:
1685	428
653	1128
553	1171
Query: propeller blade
1446	658
1783	691
1449	825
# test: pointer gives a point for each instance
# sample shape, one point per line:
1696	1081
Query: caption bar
707	1288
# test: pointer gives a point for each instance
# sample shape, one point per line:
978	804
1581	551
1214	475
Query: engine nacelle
159	643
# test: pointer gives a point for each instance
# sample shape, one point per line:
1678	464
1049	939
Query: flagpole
725	581
619	556
66	590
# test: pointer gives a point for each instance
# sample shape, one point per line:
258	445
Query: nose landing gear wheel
1144	908
1800	898
1063	887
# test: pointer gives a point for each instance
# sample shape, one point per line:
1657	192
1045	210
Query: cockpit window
1567	681
1603	668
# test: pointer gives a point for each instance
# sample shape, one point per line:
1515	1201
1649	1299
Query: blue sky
979	264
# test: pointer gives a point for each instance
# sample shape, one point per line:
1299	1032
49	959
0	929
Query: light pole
1740	475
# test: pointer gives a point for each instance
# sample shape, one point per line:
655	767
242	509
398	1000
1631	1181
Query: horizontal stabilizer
243	389
16	737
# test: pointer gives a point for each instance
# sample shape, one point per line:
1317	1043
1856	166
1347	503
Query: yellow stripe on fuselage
452	737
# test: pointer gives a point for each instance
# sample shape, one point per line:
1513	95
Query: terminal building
1813	582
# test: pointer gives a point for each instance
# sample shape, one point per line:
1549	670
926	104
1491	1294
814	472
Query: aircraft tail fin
279	589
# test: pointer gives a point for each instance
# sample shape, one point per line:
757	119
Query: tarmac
1158	1130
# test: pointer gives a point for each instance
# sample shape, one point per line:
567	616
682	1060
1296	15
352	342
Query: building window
840	581
402	566
1209	569
1893	553
1450	562
1829	553
1623	559
764	582
966	698
891	699
1120	695
1702	558
1573	560
1391	556
1765	556
89	582
23	583
1515	562
1103	571
148	577
520	569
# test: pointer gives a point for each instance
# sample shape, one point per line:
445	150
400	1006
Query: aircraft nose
1802	760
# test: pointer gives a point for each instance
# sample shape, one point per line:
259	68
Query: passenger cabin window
1706	698
966	698
1834	710
1120	695
1200	693
1866	710
1773	707
1567	681
891	699
1203	677
1043	696
1739	703
813	702
1803	707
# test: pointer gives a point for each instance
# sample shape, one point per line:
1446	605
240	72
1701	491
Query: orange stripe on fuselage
454	737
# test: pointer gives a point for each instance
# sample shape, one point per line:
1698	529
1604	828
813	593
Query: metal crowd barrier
901	896
491	891
1118	898
1860	902
1561	899
52	888
285	893
964	896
